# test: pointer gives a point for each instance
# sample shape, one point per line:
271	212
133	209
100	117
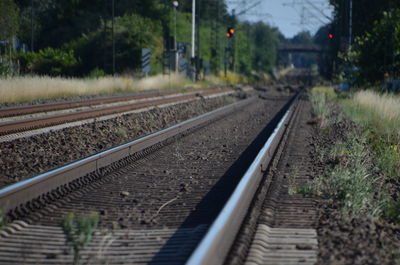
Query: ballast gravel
27	157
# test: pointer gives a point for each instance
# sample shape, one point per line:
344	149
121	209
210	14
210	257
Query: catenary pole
113	38
31	25
350	21
193	26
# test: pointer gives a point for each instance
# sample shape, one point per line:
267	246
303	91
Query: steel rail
23	110
35	123
216	243
24	191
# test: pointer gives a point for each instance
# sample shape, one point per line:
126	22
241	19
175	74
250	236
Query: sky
290	16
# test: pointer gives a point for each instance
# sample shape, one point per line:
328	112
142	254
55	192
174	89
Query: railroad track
18	111
15	124
157	196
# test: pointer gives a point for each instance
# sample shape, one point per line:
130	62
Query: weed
292	179
351	181
3	220
79	231
304	189
319	97
121	132
105	243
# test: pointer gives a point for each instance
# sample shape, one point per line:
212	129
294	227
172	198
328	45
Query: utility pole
175	3
193	38
198	56
113	39
31	25
193	26
350	21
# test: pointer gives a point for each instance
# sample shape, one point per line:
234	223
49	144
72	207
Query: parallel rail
22	192
16	111
216	243
24	125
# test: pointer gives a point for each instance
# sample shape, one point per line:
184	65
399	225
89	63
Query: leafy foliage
85	27
49	61
375	34
378	52
8	19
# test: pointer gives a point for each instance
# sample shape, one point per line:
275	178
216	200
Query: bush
7	68
97	73
49	61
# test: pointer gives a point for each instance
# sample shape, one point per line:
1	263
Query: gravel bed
351	240
26	157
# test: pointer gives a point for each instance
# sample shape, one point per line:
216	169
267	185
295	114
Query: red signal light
330	35
230	32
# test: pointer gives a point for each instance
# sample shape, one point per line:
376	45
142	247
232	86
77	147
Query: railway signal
230	32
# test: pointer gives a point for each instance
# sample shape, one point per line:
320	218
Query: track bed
155	209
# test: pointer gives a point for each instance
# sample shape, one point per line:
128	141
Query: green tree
365	16
8	19
265	41
132	33
377	52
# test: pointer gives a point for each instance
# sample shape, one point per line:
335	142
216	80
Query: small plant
121	132
3	220
292	180
79	231
296	188
319	97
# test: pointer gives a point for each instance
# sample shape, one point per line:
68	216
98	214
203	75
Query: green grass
353	181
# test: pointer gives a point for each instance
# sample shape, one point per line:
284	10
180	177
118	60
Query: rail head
24	191
216	243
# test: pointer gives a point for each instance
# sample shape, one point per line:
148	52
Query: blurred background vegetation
75	38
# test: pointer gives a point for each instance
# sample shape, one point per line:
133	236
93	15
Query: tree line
79	37
367	51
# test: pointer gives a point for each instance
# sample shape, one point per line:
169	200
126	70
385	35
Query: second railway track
15	125
156	205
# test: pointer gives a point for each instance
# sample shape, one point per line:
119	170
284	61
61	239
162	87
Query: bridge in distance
292	48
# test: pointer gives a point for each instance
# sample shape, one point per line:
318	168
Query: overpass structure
293	48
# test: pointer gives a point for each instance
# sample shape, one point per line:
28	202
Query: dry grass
380	115
161	82
319	97
380	112
386	106
20	89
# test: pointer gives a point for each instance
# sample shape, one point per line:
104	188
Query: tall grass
319	97
380	115
378	111
20	89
